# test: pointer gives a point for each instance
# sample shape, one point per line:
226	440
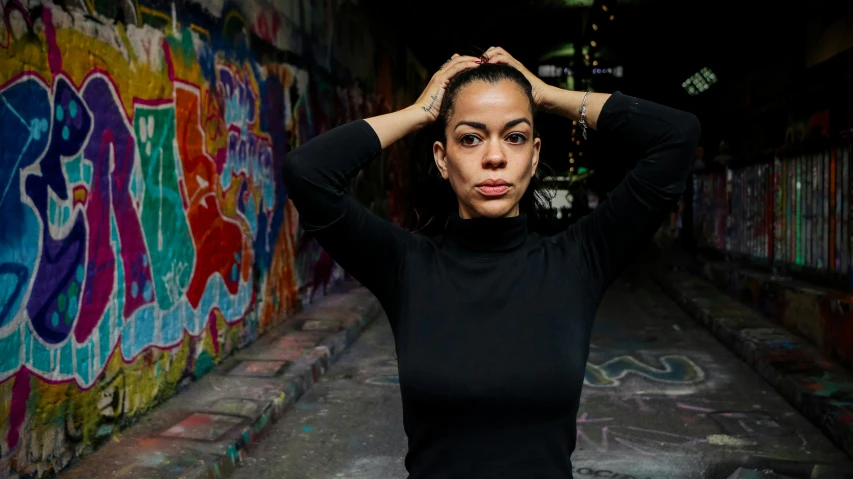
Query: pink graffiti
267	25
54	56
18	409
693	408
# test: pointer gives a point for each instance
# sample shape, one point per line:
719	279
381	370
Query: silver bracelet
582	111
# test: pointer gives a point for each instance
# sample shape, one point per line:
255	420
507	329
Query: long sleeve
316	175
663	139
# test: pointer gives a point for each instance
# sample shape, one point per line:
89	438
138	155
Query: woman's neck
487	234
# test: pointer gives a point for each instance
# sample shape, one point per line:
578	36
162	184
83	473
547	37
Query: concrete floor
662	399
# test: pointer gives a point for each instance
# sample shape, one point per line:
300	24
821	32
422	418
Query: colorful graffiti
145	234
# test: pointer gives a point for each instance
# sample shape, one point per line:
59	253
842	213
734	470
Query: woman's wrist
568	103
415	118
562	102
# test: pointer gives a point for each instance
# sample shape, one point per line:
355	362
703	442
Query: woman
491	322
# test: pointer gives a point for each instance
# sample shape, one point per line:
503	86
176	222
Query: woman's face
490	154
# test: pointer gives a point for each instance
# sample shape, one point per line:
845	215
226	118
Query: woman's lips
496	190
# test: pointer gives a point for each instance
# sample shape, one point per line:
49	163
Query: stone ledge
205	430
821	315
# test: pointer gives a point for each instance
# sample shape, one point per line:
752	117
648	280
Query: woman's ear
440	156
537	145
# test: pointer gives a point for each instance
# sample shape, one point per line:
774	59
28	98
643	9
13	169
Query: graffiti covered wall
144	231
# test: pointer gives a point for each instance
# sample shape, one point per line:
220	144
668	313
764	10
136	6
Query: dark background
776	65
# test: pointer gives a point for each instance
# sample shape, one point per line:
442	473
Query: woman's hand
390	127
541	89
430	100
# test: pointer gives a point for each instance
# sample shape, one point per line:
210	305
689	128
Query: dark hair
434	200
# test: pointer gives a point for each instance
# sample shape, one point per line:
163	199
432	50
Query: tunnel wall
145	233
793	213
793	210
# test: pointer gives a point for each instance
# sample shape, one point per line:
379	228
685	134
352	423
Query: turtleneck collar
487	234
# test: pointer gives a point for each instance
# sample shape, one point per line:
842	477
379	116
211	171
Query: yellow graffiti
134	80
156	14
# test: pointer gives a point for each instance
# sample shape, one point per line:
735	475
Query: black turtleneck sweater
491	321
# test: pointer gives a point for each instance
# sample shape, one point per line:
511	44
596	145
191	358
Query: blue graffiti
25	115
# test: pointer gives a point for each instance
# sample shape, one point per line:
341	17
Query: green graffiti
203	364
163	220
676	369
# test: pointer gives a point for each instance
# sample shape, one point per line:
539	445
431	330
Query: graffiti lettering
145	231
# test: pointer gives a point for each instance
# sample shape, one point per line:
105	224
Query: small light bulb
570	154
579	142
604	7
571	160
612	17
594	26
572	169
586	56
574	122
595	63
593	43
580	153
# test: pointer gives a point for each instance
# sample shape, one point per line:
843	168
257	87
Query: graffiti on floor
702	425
603	473
677	369
605	435
673	369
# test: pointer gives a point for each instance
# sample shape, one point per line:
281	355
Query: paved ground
663	399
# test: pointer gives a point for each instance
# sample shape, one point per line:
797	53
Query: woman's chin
497	209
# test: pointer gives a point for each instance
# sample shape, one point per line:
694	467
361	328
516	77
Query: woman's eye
470	140
517	138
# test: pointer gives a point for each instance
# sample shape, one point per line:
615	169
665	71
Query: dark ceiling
660	43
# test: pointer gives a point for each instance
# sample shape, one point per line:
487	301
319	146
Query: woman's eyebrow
482	126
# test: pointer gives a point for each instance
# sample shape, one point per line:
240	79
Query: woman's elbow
691	129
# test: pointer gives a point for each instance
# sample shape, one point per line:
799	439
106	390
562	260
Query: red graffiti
217	239
267	25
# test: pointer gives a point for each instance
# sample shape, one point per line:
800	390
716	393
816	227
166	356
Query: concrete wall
144	230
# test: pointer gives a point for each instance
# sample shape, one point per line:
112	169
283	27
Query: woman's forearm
567	103
390	127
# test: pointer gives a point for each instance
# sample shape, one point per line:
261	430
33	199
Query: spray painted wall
144	230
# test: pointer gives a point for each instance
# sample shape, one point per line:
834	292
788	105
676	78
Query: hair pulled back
434	200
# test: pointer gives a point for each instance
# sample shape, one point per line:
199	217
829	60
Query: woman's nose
495	157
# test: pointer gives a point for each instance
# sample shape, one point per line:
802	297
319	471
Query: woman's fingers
499	55
493	51
432	97
455	59
459	65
